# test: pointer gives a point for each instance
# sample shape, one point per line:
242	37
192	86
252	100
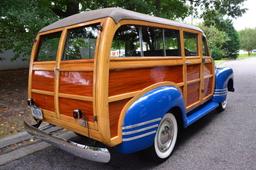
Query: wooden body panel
130	80
103	88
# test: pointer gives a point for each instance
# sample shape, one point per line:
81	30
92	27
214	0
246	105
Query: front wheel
165	138
223	105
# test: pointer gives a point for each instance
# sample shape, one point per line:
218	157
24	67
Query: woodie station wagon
127	80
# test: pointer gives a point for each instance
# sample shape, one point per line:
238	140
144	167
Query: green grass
244	56
240	57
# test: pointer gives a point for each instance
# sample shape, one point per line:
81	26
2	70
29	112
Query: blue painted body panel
222	76
151	106
144	115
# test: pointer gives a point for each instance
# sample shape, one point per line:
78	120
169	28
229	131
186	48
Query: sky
248	20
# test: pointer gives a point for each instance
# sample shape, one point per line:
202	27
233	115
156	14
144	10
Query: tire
165	138
223	105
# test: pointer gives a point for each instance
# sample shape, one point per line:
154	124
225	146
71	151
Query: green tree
20	20
247	39
216	39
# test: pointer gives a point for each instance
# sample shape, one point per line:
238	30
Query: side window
81	43
126	42
190	44
153	43
172	42
140	41
205	47
48	47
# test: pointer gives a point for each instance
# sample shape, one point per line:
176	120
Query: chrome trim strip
140	130
225	89
83	151
141	124
139	136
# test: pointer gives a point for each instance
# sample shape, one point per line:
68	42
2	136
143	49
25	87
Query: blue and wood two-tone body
143	116
124	79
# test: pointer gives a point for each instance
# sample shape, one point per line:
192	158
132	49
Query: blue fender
222	77
144	115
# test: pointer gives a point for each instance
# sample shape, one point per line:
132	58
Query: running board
201	112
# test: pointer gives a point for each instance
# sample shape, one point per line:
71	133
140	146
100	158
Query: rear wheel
165	138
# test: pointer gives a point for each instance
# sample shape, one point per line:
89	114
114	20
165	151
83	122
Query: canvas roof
117	14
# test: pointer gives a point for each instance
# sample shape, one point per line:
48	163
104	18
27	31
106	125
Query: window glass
131	40
153	43
48	47
190	44
126	42
172	42
81	43
205	47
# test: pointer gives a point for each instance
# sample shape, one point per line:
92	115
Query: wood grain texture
68	105
193	93
115	109
44	101
77	83
208	83
43	80
208	69
129	80
193	72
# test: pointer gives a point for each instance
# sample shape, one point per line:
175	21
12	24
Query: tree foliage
216	39
20	20
247	39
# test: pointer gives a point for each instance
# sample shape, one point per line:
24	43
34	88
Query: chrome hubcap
224	104
165	135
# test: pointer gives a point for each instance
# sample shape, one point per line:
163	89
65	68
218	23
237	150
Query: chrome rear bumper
86	152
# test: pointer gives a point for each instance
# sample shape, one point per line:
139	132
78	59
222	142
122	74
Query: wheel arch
146	114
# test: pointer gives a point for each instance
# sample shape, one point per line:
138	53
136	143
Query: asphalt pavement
224	140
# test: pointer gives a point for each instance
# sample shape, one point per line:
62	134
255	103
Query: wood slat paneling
44	101
68	105
208	86
129	80
193	93
207	69
76	83
115	109
43	80
193	72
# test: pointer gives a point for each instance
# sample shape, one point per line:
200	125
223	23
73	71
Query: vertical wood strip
33	54
57	72
201	93
184	66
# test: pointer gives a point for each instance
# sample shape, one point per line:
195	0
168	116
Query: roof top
117	14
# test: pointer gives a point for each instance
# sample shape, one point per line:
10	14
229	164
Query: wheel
223	105
165	138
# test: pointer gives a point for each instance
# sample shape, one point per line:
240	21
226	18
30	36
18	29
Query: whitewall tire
223	105
166	136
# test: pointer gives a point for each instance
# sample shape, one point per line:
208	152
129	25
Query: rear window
81	43
48	47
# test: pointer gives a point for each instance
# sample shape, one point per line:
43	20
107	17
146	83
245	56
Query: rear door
76	80
43	72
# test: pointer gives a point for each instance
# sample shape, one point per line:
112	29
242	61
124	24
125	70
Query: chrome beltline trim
139	136
141	124
140	130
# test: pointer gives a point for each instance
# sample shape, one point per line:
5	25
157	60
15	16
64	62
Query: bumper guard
91	153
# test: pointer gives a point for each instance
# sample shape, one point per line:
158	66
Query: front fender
144	115
223	76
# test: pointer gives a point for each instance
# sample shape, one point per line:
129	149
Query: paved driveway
224	140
